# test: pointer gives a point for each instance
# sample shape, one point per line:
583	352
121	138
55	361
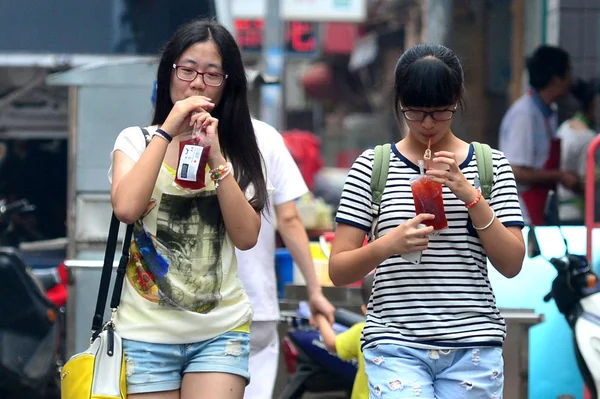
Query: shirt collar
546	110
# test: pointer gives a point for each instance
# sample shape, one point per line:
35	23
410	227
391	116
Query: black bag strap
109	257
107	267
121	270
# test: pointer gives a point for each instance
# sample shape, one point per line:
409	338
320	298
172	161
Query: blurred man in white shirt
257	265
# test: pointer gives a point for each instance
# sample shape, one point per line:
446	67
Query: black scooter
29	326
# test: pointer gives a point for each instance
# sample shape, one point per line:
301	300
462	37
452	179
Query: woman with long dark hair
184	316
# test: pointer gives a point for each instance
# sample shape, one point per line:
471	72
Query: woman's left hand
209	126
452	178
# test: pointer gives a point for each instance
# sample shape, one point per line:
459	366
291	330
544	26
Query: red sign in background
300	37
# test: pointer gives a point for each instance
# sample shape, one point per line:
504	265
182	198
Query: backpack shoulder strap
485	168
379	174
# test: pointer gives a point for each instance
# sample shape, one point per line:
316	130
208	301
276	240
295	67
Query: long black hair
236	134
428	76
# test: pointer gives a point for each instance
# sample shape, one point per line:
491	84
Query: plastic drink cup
427	195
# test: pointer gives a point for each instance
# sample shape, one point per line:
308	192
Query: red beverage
191	167
428	199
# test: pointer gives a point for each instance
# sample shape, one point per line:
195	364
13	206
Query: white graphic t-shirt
182	284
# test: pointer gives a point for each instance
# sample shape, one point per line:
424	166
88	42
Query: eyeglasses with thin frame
419	116
188	74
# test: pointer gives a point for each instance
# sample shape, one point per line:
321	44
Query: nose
198	83
428	122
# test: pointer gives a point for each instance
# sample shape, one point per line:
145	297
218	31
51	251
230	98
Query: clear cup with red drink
428	197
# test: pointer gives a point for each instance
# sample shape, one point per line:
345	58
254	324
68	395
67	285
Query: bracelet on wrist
164	135
487	225
220	172
475	201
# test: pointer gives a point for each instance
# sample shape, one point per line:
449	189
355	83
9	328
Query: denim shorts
160	367
399	372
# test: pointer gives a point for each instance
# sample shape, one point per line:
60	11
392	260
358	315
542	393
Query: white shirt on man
257	265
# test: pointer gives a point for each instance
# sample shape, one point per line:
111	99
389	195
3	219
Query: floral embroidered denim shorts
400	372
160	367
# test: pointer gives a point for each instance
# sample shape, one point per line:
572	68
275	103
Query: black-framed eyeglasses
419	116
188	74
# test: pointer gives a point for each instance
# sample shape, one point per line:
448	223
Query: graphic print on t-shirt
188	275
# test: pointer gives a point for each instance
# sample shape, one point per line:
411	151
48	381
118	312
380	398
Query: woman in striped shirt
433	329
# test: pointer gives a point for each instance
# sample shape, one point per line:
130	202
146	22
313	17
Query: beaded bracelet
219	173
164	135
475	201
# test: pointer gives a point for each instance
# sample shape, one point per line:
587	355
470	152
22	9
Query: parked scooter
29	327
14	223
312	368
576	292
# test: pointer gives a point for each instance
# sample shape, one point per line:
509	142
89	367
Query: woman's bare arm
133	182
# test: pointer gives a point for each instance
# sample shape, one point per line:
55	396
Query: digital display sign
300	37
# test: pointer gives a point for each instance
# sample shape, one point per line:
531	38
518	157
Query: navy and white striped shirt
445	301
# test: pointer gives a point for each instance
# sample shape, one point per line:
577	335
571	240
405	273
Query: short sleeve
356	199
284	181
284	174
517	139
504	198
347	344
131	142
250	190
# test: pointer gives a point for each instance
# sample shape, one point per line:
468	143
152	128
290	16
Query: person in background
576	134
347	344
257	265
528	132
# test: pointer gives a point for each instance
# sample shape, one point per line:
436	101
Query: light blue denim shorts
160	367
399	372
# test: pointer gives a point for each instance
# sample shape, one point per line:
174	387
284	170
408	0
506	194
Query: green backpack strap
485	168
379	174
